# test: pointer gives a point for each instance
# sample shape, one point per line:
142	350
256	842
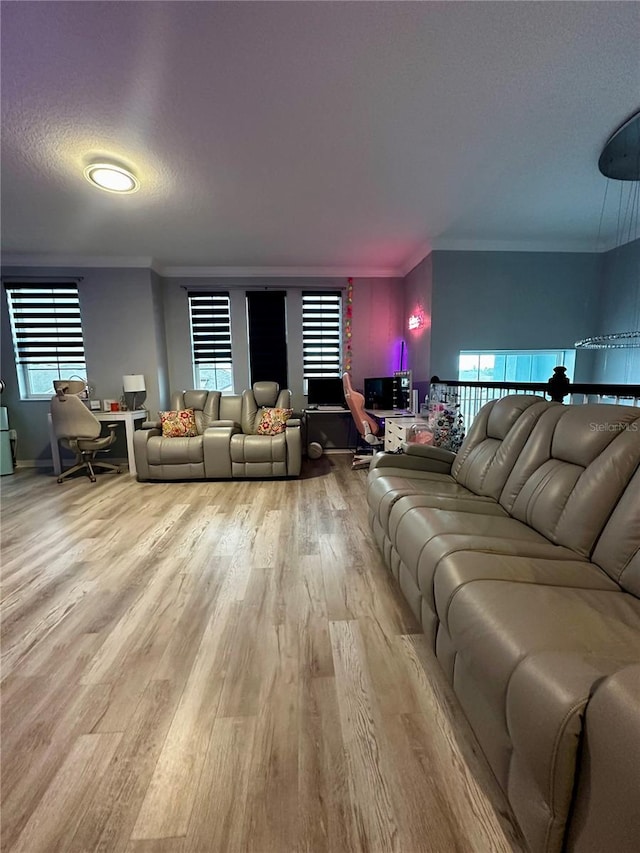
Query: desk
332	428
129	419
396	429
383	414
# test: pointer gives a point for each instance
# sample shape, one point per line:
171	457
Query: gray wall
418	287
512	300
377	327
161	341
178	335
119	323
377	323
619	311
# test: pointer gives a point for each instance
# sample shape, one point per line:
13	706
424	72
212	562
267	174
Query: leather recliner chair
254	455
185	458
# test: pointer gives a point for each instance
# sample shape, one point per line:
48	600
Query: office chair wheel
60	479
93	479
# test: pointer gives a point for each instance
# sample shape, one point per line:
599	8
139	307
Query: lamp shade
133	383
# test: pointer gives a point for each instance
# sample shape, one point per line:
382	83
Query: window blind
210	327
267	326
321	333
46	323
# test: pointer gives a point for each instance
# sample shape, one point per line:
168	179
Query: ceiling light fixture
620	161
113	179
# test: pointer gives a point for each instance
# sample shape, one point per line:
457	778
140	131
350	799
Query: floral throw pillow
181	424
273	421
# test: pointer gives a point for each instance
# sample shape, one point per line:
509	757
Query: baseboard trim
48	463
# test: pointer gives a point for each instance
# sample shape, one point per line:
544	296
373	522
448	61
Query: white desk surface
135	415
327	410
392	413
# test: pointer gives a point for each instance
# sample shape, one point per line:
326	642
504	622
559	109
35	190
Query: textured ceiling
316	135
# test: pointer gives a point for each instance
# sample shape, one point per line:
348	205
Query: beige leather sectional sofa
520	558
227	445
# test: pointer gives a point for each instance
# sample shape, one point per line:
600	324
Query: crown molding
86	261
121	262
416	257
459	245
462	245
52	260
277	272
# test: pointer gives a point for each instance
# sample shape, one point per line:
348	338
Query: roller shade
210	327
321	333
46	323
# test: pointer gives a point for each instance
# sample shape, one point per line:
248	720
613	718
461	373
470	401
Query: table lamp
135	391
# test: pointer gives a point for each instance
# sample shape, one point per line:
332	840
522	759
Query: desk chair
367	426
76	428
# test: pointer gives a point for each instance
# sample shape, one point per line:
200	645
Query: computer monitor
402	388
325	391
378	392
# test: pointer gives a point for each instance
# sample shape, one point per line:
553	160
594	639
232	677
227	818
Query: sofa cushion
385	491
205	405
178	424
420	537
495	624
258	448
496	438
572	472
617	550
544	564
160	451
411	526
262	395
273	421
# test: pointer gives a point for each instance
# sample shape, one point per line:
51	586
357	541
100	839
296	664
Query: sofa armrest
546	701
151	425
216	449
428	451
293	438
606	814
140	440
432	459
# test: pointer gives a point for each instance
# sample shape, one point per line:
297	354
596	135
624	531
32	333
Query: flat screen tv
378	392
325	391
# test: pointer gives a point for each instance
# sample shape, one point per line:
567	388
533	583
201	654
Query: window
321	333
267	331
211	341
47	336
513	365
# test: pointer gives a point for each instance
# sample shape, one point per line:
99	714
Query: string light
348	352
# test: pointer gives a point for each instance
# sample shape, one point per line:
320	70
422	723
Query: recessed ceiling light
113	179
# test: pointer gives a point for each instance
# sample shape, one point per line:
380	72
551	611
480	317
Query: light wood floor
222	667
